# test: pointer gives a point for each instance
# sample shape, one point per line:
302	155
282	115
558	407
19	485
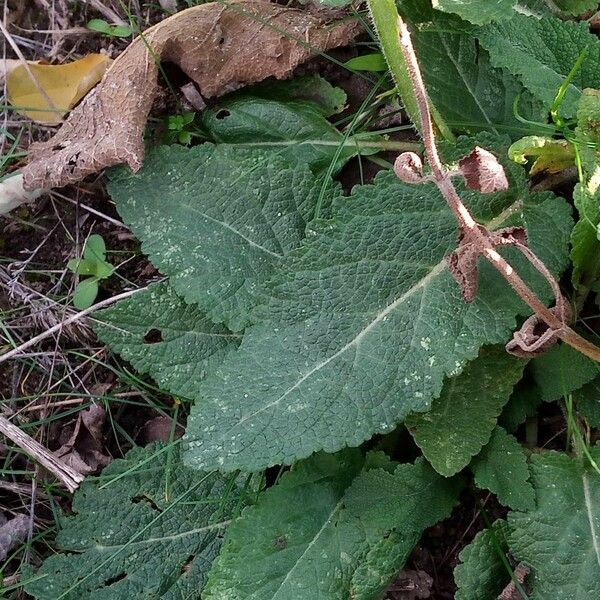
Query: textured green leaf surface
466	88
584	239
479	12
362	327
522	404
588	402
127	541
159	334
447	434
561	371
501	467
559	539
322	531
217	220
576	7
542	52
295	129
313	89
481	573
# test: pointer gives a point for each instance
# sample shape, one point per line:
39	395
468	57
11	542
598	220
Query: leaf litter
214	45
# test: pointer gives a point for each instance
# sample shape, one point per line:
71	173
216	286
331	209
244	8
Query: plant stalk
466	221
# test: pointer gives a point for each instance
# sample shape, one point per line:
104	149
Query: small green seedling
94	267
178	129
101	26
374	63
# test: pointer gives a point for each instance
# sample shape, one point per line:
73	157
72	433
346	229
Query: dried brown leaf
221	47
82	443
483	172
12	532
159	429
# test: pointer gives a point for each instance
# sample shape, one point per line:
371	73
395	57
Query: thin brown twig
479	235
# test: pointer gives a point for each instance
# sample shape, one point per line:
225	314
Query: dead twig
477	240
65	474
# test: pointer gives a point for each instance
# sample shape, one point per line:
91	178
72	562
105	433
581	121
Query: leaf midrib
422	283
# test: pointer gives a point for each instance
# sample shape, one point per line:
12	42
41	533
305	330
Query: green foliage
296	130
365	316
576	7
501	468
542	52
586	246
559	537
481	573
334	527
94	266
159	334
299	321
216	253
561	371
105	28
148	529
445	433
478	12
549	155
178	129
470	93
367	62
588	402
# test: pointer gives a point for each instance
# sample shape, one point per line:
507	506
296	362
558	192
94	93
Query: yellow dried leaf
63	87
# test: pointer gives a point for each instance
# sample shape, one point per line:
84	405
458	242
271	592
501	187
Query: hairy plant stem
479	235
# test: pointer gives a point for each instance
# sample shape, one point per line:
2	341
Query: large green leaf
542	52
588	402
560	538
362	326
217	220
331	529
469	92
561	371
297	130
446	434
127	540
161	335
479	12
481	572
501	468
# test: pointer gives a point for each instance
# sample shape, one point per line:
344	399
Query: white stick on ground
65	474
12	193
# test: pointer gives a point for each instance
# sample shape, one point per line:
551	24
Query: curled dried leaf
462	263
482	172
535	336
219	46
409	167
83	443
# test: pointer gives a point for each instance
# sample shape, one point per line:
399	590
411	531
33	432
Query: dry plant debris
12	532
83	442
54	89
214	44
